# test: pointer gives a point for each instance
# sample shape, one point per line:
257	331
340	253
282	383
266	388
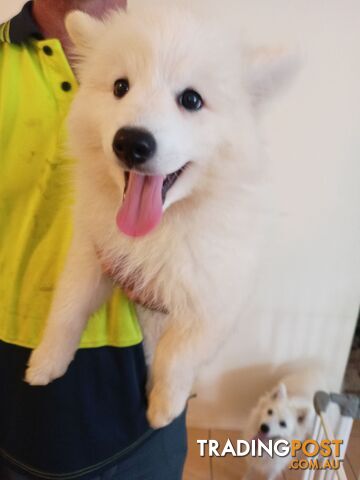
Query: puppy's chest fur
170	269
132	279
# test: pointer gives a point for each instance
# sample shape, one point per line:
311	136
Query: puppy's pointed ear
279	393
269	70
83	29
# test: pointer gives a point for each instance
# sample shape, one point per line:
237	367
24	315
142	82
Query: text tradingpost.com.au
327	450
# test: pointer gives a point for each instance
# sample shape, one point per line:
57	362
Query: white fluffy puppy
164	131
285	413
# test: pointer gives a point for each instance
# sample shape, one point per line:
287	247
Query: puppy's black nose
134	146
264	428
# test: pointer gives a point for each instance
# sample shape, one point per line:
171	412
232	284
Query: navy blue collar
23	26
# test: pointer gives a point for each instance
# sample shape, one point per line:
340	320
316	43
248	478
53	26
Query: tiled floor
231	468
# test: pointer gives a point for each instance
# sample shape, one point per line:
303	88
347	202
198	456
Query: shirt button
47	50
66	86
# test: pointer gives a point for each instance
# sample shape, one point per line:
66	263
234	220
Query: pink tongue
141	210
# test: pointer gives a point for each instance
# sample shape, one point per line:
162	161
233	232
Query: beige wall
9	8
309	289
308	292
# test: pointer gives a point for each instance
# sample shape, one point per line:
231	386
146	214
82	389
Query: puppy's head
166	101
279	417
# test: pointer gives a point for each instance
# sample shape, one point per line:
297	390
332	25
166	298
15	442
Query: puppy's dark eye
270	412
190	100
282	424
121	87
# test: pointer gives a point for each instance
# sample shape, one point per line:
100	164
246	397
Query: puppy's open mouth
144	195
168	181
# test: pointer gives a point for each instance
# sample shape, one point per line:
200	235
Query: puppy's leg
82	289
183	348
152	325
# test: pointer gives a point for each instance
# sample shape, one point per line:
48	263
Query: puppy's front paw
165	405
45	365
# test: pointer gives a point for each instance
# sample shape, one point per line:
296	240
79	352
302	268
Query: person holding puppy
90	424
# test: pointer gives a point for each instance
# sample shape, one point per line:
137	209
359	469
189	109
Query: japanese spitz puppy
284	413
164	131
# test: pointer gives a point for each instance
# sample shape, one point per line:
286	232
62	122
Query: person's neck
50	15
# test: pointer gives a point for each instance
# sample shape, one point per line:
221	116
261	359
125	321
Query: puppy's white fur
200	262
290	401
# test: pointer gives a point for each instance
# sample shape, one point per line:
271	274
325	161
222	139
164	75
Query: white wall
309	289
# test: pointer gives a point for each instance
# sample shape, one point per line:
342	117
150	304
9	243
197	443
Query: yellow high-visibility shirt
36	88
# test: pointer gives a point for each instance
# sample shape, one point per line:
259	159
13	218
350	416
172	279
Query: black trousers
160	457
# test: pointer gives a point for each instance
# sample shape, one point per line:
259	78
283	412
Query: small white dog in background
165	135
286	413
